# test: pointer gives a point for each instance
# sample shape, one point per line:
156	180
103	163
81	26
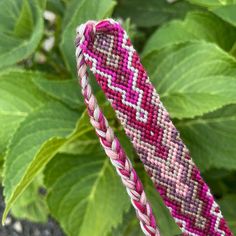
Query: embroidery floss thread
106	49
115	152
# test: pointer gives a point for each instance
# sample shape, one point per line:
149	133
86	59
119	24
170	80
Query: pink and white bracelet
106	49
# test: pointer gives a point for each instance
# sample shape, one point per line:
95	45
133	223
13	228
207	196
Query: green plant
46	141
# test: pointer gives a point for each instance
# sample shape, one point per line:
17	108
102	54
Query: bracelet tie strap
107	50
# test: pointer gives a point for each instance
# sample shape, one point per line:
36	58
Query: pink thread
107	50
112	146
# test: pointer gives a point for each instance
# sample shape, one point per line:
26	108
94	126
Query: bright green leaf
88	137
211	3
21	30
18	97
8	125
24	23
78	13
85	194
35	142
192	79
211	138
31	205
197	26
27	114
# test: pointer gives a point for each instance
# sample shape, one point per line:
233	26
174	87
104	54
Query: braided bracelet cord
107	50
114	150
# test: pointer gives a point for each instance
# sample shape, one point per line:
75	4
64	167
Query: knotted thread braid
108	51
112	146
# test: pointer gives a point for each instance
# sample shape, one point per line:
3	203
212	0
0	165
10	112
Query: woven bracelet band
106	49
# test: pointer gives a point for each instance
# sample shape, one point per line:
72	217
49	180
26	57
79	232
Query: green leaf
192	79
24	23
227	13
89	137
18	97
85	194
211	3
228	206
152	12
211	138
67	91
35	142
78	12
35	124
8	125
21	30
31	205
223	8
197	26
130	224
56	6
165	222
220	181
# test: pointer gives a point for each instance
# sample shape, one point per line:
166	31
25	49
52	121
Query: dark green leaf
129	226
228	206
165	222
211	138
227	13
56	6
152	12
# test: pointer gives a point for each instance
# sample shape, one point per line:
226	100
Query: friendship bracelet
106	49
115	152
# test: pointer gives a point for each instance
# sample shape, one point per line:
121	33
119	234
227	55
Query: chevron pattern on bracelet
116	65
